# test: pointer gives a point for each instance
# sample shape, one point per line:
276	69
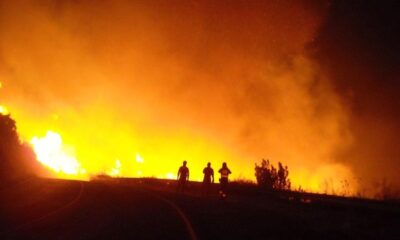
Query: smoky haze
203	80
358	49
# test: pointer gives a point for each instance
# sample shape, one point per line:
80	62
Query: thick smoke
360	52
207	81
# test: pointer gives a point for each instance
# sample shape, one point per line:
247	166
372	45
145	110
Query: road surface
59	209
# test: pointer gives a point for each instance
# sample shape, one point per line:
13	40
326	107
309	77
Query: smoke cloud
202	80
359	51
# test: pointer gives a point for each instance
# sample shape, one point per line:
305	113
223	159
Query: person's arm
187	177
179	173
212	175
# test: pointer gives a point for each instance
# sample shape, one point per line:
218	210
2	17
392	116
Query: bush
17	159
270	177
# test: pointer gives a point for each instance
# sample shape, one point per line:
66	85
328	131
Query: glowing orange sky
201	81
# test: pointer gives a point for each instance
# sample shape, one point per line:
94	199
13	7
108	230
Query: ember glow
3	110
132	90
51	152
116	170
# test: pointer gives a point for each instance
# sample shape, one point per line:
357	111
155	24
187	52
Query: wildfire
139	158
51	153
170	176
3	110
116	170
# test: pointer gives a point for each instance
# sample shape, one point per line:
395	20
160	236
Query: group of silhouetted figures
208	179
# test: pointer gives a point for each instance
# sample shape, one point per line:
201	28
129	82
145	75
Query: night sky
358	46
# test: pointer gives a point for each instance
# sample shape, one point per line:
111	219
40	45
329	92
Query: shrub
270	177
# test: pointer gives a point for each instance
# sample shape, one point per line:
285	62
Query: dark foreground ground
150	209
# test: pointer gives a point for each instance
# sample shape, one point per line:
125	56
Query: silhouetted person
224	171
208	179
183	177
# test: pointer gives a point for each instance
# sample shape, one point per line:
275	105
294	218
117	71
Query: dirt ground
140	209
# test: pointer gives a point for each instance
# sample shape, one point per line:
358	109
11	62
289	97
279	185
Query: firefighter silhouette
208	179
224	171
183	177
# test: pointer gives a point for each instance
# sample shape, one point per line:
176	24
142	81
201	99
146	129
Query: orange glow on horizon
137	101
63	160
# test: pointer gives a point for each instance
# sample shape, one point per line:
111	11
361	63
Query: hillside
150	209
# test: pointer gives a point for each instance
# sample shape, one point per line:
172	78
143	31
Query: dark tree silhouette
8	142
17	159
271	178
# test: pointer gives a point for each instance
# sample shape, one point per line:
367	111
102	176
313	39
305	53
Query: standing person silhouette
224	171
208	179
183	177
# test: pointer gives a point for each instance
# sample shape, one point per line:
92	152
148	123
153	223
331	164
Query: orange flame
3	110
116	170
51	153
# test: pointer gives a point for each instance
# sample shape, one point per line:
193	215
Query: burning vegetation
51	152
131	89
